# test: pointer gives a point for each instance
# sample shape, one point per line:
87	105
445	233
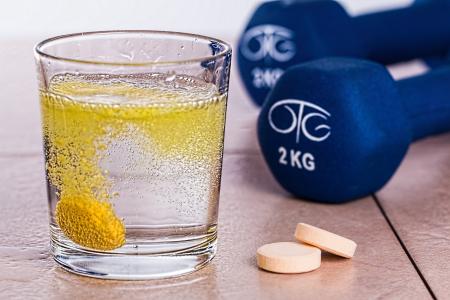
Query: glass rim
38	48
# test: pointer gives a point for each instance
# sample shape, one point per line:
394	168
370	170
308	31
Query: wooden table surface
403	232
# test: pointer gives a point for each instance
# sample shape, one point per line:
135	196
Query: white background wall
220	18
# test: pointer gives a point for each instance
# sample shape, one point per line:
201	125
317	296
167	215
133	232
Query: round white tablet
288	257
325	240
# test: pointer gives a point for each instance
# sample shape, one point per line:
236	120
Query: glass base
129	266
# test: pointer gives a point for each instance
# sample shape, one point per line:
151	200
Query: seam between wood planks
380	207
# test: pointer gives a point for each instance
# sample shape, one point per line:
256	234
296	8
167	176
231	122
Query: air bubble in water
170	78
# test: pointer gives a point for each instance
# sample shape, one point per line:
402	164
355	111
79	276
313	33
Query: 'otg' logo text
272	41
300	113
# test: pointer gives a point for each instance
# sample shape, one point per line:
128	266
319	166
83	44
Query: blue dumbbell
336	129
281	34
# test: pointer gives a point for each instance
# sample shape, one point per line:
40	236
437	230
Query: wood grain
417	201
253	211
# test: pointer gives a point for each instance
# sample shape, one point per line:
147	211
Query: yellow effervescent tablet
288	257
325	240
90	223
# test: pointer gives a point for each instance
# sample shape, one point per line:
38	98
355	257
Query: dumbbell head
281	34
333	130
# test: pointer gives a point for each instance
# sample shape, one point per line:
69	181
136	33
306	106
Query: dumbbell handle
387	42
426	100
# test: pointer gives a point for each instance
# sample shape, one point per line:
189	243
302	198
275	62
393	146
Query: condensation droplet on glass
128	56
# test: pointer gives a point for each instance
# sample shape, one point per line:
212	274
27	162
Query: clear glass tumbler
133	127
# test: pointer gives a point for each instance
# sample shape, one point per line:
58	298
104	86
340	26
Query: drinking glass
133	128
